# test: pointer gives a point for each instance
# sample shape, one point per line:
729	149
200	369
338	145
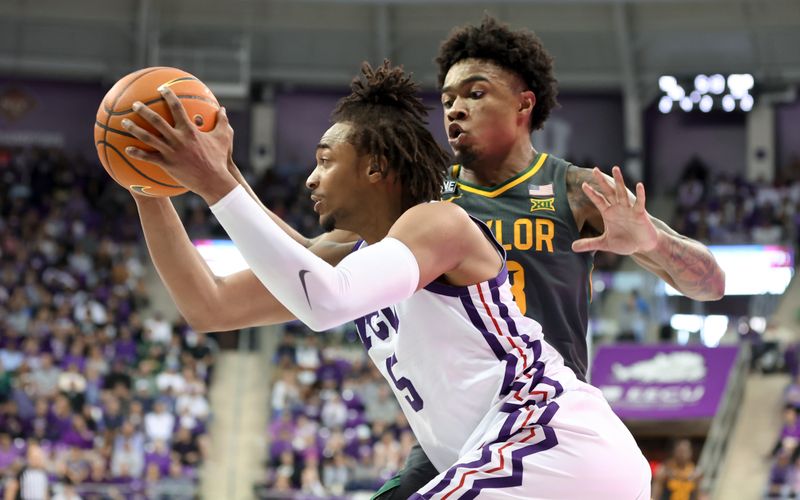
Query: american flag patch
543	190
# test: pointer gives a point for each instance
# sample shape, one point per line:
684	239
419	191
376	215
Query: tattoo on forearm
692	269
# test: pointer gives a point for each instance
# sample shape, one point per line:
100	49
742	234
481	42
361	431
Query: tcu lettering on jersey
379	324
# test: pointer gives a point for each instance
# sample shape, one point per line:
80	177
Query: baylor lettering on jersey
529	214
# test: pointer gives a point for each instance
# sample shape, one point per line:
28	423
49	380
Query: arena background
128	402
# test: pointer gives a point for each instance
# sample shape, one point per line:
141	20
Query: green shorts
416	473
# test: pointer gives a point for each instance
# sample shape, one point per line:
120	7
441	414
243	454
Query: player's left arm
602	205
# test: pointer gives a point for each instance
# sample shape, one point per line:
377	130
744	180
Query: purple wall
596	129
718	139
50	111
63	114
302	117
787	129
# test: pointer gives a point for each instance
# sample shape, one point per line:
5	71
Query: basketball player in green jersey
497	87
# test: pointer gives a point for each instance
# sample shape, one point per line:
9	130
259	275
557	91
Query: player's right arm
208	302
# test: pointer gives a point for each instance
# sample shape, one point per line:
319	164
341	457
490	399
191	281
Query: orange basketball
111	138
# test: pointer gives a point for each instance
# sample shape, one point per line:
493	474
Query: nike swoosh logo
302	275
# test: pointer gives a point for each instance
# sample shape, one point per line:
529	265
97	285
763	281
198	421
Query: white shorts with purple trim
572	447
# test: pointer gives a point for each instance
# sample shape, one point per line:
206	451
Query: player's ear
527	101
377	168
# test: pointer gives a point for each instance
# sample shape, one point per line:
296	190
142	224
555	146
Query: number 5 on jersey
403	383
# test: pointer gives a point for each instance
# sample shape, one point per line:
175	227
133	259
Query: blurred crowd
784	477
103	397
336	426
723	209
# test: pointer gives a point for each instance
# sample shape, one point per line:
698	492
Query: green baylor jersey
530	216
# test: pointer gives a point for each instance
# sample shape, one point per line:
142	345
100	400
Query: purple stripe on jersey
515	479
533	345
503	309
486	455
512	407
537	349
555	383
548	413
485	458
477	322
494	343
357	245
505	431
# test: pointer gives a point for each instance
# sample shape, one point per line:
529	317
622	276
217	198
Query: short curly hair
520	51
389	119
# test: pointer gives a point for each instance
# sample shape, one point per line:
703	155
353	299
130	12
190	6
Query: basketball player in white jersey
491	403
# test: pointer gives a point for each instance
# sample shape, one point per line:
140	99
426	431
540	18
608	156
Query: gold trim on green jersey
495	191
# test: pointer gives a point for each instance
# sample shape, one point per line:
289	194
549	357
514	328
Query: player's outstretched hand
196	159
628	228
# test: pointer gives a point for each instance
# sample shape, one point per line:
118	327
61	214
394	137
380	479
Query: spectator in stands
159	424
11	421
287	471
160	329
335	473
678	477
127	459
733	210
31	482
789	437
66	491
334	412
383	408
780	476
72	384
285	393
791	397
170	380
634	318
186	446
193	402
79	435
5	384
45	378
112	415
309	478
9	453
388	458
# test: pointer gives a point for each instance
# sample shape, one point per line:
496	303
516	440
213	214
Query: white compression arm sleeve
318	294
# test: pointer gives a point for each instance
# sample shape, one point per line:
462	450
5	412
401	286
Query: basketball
111	138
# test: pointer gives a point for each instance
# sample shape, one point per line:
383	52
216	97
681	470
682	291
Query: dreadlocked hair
389	120
521	52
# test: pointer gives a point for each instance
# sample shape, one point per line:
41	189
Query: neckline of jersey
493	191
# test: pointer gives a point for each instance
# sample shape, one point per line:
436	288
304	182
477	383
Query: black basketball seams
108	118
110	129
111	112
108	146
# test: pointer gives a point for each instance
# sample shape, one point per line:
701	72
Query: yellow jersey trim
494	192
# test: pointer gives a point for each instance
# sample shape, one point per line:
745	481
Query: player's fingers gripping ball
111	138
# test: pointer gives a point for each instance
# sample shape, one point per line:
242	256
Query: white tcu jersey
457	357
